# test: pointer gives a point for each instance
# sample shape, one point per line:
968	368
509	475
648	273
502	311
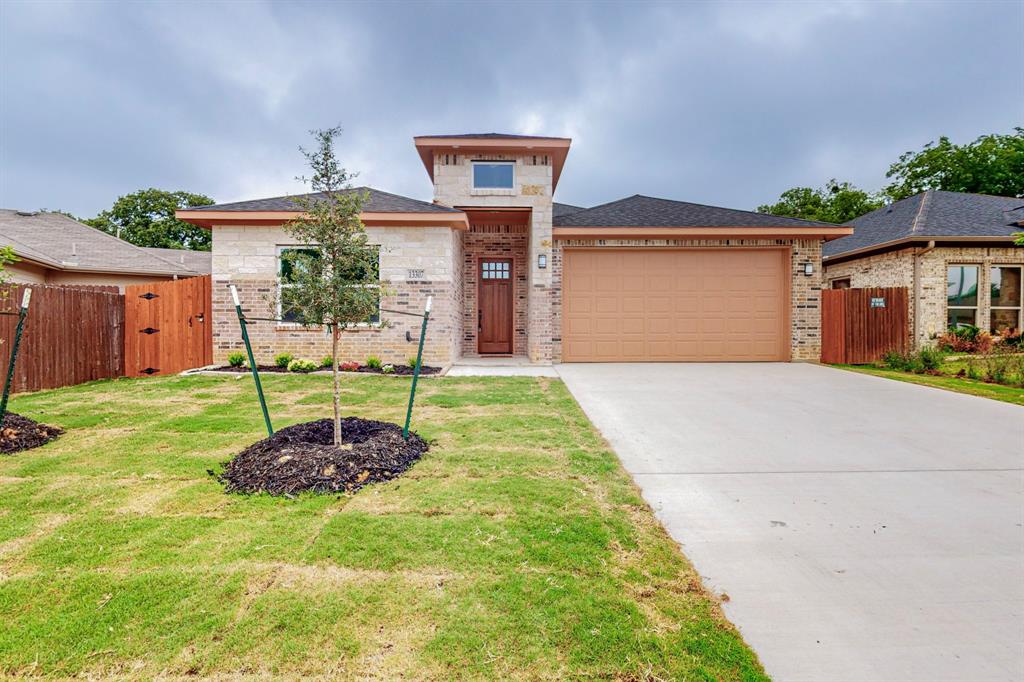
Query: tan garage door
674	305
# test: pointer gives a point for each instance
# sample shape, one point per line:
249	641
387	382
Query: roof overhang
207	219
556	147
910	241
737	232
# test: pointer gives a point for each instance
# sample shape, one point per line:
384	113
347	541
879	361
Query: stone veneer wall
247	257
494	241
533	189
805	292
928	293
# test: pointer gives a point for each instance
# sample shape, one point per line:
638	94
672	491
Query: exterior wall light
542	260
808	269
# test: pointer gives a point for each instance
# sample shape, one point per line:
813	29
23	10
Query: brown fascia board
717	232
208	219
907	242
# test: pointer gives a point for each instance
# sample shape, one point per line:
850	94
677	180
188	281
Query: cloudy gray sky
727	104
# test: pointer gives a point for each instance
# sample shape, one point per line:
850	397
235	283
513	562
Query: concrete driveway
863	528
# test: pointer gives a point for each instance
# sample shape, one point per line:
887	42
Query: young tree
992	164
837	202
335	282
146	218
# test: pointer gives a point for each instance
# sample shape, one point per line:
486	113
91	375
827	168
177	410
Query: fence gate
167	326
859	326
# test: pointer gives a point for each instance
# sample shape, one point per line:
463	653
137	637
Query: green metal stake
14	351
416	372
252	361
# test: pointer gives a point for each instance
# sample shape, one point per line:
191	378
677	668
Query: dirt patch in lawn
304	458
398	370
19	433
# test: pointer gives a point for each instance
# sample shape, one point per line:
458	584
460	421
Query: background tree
837	202
335	282
146	218
992	164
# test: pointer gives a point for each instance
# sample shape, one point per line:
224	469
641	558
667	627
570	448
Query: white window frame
472	178
281	248
977	296
1020	302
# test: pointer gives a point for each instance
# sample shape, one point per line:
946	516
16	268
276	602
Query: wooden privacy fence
859	326
71	335
167	326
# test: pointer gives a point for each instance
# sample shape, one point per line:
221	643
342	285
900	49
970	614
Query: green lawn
516	549
1007	394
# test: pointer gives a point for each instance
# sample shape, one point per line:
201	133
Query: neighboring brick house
55	249
514	273
954	252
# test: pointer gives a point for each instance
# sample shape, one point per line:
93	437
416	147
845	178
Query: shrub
966	339
972	370
282	360
387	369
328	361
236	359
411	361
348	366
301	365
373	362
895	360
931	358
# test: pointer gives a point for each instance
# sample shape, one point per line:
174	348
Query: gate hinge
149	330
150	370
149	295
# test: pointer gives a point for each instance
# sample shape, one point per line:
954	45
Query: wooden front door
494	332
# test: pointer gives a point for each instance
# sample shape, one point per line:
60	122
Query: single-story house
55	249
514	273
953	251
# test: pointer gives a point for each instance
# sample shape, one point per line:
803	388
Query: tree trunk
337	385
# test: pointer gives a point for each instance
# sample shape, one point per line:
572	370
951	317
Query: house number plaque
414	274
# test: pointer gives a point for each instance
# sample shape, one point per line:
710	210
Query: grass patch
1006	394
517	548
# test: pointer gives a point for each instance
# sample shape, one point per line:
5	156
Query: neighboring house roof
929	215
199	262
62	243
641	211
558	210
380	202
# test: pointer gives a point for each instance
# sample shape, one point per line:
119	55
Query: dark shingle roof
558	210
60	242
489	136
380	202
641	211
935	213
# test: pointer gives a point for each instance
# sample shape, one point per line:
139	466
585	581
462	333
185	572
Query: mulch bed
303	458
400	370
19	433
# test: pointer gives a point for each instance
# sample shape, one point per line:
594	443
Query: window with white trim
961	296
286	273
494	174
1006	300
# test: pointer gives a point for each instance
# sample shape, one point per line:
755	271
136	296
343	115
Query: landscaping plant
349	367
387	369
327	361
373	362
301	365
282	360
334	283
411	361
236	359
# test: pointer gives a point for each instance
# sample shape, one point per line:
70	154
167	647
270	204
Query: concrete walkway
863	528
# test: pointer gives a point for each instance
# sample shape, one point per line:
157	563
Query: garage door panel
674	304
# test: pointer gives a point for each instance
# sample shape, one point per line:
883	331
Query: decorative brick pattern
927	288
494	241
533	179
805	291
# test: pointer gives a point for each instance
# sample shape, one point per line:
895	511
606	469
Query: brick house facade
929	243
492	250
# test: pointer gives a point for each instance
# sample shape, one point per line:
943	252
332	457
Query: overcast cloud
726	104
